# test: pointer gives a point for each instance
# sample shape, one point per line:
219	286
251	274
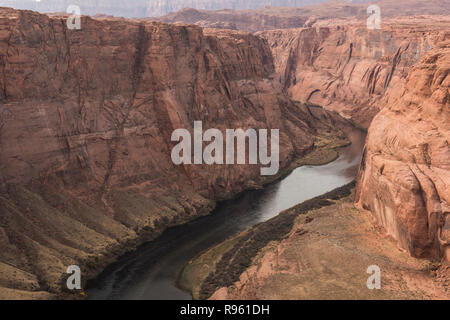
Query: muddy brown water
151	271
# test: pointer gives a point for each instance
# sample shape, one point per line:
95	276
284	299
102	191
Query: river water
151	271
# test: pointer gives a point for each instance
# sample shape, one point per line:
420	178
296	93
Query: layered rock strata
348	68
404	179
86	118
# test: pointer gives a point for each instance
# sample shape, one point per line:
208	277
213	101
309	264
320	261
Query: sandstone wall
345	67
404	179
86	118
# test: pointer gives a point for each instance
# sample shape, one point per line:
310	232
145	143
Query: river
151	271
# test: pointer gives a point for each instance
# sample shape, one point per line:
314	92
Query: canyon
398	78
326	55
86	118
345	67
402	187
85	126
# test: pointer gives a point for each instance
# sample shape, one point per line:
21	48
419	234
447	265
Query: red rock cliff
345	67
86	118
404	180
100	96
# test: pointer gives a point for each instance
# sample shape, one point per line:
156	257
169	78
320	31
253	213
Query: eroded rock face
102	95
348	68
86	118
404	179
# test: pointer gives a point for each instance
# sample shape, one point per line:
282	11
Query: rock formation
348	68
400	75
404	179
86	118
326	55
403	185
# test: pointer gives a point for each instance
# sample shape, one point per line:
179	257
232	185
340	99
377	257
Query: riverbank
319	249
108	252
163	251
222	265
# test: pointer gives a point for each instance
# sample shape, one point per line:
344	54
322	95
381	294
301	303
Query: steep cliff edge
86	118
404	179
348	68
